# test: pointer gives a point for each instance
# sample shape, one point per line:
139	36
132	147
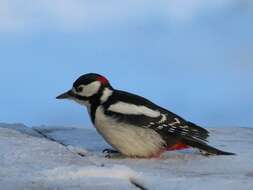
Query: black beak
65	95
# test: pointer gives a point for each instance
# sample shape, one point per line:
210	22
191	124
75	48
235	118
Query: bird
133	125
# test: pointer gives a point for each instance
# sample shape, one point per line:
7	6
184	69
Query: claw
110	151
112	154
108	156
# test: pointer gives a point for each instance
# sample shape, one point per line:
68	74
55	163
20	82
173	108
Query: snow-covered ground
62	158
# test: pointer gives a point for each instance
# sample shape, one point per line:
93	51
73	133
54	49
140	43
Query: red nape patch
103	80
177	146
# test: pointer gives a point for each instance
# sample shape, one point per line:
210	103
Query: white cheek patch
90	89
126	108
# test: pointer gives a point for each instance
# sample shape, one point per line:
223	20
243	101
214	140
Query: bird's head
86	88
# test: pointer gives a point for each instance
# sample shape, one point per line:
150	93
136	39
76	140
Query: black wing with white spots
167	124
177	127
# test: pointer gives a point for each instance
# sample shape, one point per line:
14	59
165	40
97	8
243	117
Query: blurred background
194	57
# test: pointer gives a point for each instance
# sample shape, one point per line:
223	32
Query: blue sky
193	57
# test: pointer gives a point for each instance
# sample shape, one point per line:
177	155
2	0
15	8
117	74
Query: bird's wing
138	111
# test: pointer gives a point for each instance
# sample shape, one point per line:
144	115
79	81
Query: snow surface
70	159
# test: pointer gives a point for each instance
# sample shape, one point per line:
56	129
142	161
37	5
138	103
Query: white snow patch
77	150
29	161
116	171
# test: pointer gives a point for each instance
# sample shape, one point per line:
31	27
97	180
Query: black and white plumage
133	125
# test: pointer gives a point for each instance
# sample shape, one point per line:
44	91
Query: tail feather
207	148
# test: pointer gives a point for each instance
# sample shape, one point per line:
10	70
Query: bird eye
79	89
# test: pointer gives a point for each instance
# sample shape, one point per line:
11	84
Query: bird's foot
110	151
112	154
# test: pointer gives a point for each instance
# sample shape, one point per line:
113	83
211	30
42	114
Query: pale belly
128	139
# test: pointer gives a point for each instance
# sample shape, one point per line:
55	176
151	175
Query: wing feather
132	109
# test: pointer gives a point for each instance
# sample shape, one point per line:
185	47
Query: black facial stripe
95	102
83	98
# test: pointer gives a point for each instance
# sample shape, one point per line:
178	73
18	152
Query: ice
71	158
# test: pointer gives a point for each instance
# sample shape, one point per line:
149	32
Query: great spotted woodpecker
133	125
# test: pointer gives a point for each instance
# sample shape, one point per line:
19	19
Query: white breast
128	139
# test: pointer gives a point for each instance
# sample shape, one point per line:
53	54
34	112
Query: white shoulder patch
126	108
106	94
